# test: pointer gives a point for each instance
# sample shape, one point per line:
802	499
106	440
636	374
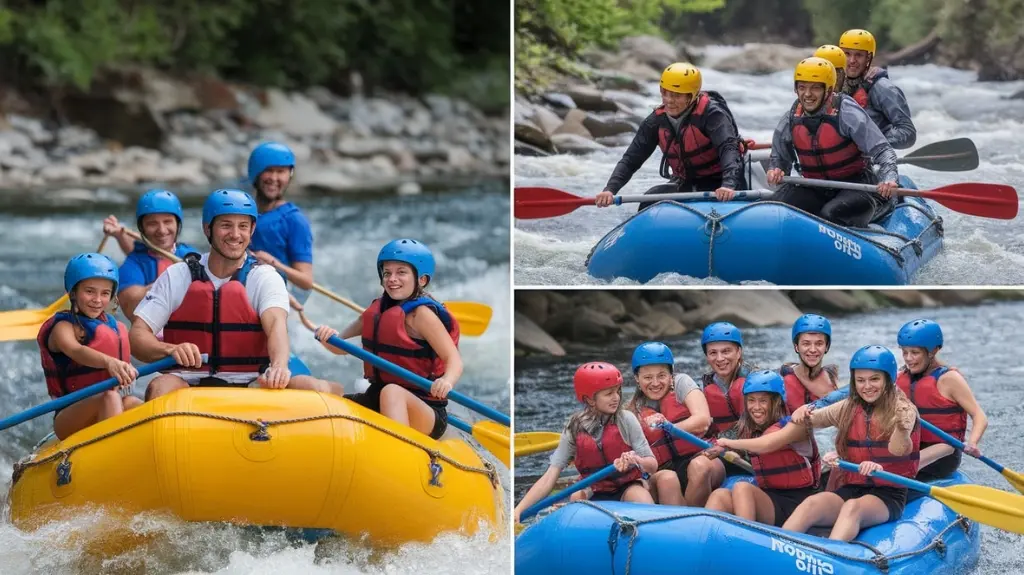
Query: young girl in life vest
877	428
661	398
86	345
941	396
408	328
601	434
787	470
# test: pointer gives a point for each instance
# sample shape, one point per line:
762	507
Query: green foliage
894	23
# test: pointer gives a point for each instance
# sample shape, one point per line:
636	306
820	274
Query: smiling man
828	136
698	138
283	239
874	91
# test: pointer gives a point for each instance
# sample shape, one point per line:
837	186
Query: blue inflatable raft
622	538
768	241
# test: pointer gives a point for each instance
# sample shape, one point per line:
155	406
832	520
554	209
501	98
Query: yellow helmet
858	39
682	78
833	54
818	70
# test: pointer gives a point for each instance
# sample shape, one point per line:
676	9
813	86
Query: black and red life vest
64	375
943	413
821	151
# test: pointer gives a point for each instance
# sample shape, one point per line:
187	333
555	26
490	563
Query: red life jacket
796	394
724	412
865	442
385	336
592	456
222	323
665	446
820	149
943	413
860	95
689	154
785	468
63	374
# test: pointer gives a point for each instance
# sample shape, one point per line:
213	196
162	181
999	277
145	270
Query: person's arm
828	417
697	404
62	339
538	490
901	442
769	443
643	145
782	146
890	100
351	330
834	397
633	433
726	141
426	323
958	390
128	299
275	324
858	126
151	315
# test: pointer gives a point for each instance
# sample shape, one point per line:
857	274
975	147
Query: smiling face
674	102
857	62
230	235
160	229
654	380
759	405
916	359
723	358
399	280
92	296
811	95
811	347
606	401
869	384
273	182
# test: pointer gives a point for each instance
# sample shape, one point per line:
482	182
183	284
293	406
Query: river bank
138	127
560	322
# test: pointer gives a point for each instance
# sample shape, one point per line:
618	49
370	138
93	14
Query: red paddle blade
538	203
996	201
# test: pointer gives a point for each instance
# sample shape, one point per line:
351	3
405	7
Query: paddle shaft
416	380
684	196
686	435
76	396
958	444
565	493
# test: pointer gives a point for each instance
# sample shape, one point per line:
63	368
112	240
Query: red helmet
592	377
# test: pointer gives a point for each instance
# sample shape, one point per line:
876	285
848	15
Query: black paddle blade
959	155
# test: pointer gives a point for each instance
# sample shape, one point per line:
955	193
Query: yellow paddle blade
19	332
1015	479
494	437
1000	509
33	316
473	317
530	442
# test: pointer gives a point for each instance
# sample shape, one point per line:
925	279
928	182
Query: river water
978	340
468	232
945	103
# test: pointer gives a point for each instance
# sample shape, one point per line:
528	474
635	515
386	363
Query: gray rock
295	115
77	138
588	325
408	189
324	178
367	147
95	162
31	127
745	308
573	144
827	301
763	59
60	173
521	149
599	128
15	142
655	325
195	147
573	124
591	100
650	50
558	100
530	336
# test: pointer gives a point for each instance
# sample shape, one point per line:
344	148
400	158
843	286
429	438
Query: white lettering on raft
841	242
805	562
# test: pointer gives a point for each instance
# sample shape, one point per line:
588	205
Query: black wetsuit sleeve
725	138
643	145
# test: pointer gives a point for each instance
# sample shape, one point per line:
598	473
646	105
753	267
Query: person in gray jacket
830	137
874	91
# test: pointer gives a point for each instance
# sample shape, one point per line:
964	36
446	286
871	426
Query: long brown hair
883	411
749	428
589	419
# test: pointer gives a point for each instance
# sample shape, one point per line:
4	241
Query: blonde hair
883	412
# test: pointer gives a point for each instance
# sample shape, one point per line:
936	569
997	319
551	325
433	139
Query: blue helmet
875	357
813	323
228	201
652	353
920	333
88	266
412	252
158	202
765	380
269	155
721	331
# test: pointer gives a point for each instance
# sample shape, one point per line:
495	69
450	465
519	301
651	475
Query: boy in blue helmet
283	239
158	217
224	304
810	379
408	328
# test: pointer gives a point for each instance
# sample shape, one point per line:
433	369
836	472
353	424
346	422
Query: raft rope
64	467
880	561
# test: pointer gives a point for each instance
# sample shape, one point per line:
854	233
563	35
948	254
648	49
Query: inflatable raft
269	458
768	241
623	538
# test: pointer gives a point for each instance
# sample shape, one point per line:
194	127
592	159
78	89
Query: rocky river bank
138	127
550	322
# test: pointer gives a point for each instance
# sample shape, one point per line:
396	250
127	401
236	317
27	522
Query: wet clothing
370	399
850	124
886	105
687	144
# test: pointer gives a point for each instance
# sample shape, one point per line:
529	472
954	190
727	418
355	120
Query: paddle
997	201
532	203
986	505
76	396
37	316
957	155
488	434
729	456
565	493
1015	479
21	332
530	442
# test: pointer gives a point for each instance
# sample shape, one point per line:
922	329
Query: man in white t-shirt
223	304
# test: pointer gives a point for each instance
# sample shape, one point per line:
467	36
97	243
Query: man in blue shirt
283	237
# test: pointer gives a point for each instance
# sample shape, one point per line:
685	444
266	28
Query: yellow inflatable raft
268	458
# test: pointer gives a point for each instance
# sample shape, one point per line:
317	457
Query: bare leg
311	383
637	494
82	414
703	475
820	509
401	405
130	402
721	499
752	503
164	384
933	453
666	484
857	514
